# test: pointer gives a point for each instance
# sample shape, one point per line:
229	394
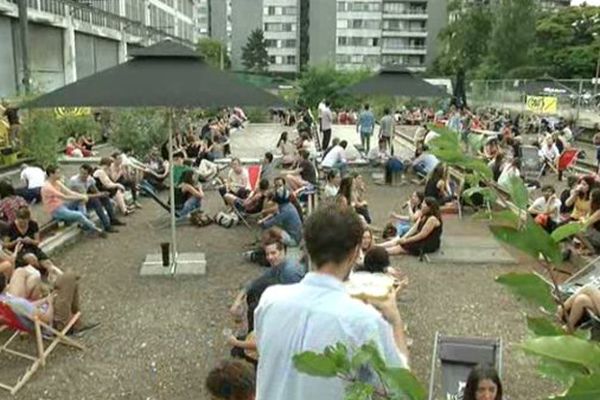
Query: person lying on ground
587	298
423	237
54	195
238	181
57	309
26	232
254	203
304	176
232	380
546	209
104	183
98	201
320	310
286	220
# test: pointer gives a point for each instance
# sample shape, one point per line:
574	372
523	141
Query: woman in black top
424	236
437	185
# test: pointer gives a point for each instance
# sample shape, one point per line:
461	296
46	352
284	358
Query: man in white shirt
336	158
430	136
319	312
34	178
326	122
549	206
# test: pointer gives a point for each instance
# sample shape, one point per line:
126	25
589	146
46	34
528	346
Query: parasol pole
170	127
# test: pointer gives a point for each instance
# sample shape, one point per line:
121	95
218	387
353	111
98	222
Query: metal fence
578	99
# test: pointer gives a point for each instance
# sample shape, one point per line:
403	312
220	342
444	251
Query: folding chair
458	356
567	159
17	322
531	165
254	172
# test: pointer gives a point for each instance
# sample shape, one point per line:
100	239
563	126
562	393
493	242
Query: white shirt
34	176
508	172
335	155
326	119
541	204
330	191
549	153
567	134
430	136
321	107
309	316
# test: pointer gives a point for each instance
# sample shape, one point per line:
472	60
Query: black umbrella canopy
398	82
166	74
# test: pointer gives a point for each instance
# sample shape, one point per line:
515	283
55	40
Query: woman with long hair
188	195
483	383
287	149
344	195
580	198
232	380
437	186
424	236
332	185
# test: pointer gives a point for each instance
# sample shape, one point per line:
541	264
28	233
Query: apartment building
281	22
70	40
372	33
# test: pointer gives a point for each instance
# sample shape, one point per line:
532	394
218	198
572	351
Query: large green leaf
368	354
487	193
565	231
401	380
530	287
583	388
564	372
339	355
359	391
506	218
566	348
543	327
518	192
315	364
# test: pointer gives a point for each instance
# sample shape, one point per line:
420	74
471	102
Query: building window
289	43
279	27
271	42
290	60
272	59
291	10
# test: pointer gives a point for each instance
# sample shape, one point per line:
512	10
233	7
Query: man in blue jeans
97	201
286	220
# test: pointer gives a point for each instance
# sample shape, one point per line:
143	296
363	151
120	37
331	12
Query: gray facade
246	16
218	20
437	19
322	32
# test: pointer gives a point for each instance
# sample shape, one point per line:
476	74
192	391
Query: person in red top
9	203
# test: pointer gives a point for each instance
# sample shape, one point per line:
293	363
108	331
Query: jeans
342	167
67	214
365	140
103	209
30	194
192	204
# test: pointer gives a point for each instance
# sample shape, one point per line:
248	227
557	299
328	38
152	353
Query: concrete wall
8	76
437	20
246	16
322	32
218	20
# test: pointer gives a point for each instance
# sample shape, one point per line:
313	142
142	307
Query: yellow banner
61	112
542	104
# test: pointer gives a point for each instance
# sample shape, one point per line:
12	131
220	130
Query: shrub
139	130
42	137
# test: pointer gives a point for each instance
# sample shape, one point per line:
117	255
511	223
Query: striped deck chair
19	322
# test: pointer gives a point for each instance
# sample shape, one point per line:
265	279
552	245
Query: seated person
287	149
54	194
34	178
157	172
26	282
56	310
207	170
86	142
336	158
402	223
424	236
127	171
286	220
332	186
366	244
238	181
232	380
546	209
282	271
304	176
188	195
549	153
359	191
566	193
104	183
377	260
379	155
586	298
424	164
509	171
73	149
10	203
483	383
98	201
254	203
268	167
26	232
438	187
8	261
579	198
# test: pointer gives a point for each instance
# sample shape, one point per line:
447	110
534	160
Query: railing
99	17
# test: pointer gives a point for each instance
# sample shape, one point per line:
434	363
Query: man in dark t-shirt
305	175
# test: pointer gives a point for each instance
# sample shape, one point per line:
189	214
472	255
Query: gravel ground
159	337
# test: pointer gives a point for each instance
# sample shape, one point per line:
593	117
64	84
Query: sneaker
111	230
117	222
83	329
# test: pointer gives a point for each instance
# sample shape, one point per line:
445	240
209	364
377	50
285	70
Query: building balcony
405	50
406	14
408	33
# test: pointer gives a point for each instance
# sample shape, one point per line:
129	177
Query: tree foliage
212	50
139	130
254	54
325	82
42	137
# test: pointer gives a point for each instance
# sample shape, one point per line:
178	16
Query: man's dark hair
386	111
332	234
269	156
106	161
343	144
263	184
367	106
50	169
273	241
23	213
548	187
87	168
376	260
327	103
178	154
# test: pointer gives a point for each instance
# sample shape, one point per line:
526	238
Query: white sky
590	2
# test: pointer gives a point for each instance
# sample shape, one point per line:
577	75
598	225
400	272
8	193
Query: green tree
212	50
42	137
325	82
512	34
254	54
139	130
